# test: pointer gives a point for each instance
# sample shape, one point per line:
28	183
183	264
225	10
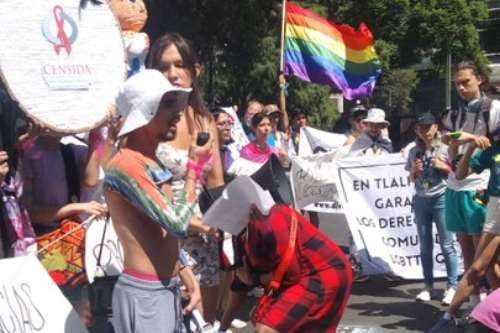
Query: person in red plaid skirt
310	293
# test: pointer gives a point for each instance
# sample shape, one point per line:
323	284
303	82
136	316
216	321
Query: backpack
484	111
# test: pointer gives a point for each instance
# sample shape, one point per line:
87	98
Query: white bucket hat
139	98
376	116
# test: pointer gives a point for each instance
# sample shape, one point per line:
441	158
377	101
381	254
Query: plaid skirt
315	304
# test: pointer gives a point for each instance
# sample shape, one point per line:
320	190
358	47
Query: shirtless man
146	297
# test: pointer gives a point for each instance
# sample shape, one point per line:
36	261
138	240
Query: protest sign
331	207
313	140
231	211
67	63
31	302
377	196
243	167
313	183
101	238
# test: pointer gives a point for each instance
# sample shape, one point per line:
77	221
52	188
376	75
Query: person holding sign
146	297
307	277
429	170
373	141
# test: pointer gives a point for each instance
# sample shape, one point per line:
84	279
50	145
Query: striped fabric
323	52
137	179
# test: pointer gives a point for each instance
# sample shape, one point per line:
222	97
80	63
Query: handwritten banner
31	302
313	183
378	198
112	251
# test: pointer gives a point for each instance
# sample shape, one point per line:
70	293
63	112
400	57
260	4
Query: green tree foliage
238	44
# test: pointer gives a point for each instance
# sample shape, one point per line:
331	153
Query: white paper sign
112	251
230	212
313	183
329	207
243	167
377	196
313	140
31	302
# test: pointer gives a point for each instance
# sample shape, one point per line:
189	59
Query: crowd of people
146	167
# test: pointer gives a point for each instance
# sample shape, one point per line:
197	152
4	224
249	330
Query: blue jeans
427	210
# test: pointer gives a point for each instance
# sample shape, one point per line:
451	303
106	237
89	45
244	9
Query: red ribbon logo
61	34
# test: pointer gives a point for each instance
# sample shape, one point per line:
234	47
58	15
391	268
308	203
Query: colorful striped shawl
323	52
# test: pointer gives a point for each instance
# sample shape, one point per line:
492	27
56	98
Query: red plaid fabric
314	292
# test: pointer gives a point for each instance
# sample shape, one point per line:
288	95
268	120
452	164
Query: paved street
381	306
377	304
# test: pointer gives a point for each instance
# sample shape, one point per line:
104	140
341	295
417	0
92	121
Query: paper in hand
231	211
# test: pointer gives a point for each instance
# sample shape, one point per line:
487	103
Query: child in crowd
429	171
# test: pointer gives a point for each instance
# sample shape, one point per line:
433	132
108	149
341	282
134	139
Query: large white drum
62	63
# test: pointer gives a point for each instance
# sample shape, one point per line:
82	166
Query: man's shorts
492	225
463	213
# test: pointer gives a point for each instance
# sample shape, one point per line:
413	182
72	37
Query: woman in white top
174	56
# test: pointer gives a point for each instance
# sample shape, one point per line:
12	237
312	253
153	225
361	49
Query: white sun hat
376	116
139	98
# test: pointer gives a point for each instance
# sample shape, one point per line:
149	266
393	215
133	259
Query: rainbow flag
323	52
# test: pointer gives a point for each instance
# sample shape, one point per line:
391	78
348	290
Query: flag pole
282	51
282	81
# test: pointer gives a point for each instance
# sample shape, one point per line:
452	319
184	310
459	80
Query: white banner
313	140
329	207
313	183
31	302
377	197
112	251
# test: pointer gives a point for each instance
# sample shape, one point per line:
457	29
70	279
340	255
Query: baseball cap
426	119
139	98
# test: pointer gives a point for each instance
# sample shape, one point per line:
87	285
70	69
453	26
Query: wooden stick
283	26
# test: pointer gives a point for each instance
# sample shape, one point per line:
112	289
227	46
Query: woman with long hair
174	56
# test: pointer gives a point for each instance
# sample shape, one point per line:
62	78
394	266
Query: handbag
101	289
62	253
62	250
265	301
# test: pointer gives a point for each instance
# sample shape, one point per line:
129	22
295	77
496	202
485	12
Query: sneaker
425	295
448	296
237	323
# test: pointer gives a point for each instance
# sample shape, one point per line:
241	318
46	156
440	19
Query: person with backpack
476	118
